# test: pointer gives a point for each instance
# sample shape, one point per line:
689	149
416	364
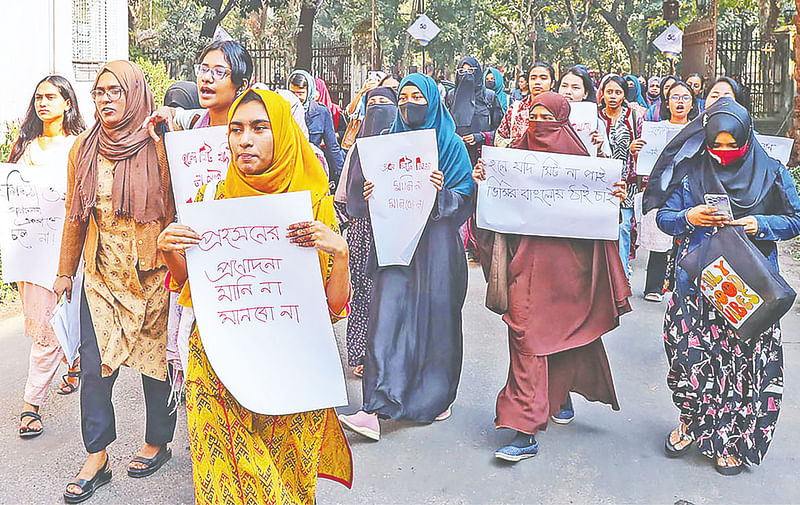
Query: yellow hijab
294	167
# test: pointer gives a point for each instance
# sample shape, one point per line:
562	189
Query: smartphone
721	202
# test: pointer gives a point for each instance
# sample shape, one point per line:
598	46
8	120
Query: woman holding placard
681	106
118	201
576	86
413	360
727	389
558	296
47	133
381	112
237	454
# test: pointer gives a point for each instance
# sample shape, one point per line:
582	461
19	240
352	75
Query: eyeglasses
113	94
218	72
681	98
465	71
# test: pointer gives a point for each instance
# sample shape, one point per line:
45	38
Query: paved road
602	457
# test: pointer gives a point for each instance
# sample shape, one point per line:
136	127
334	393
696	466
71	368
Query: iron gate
331	63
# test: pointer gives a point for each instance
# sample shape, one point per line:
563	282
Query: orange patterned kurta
239	457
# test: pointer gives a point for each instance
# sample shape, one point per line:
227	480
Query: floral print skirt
359	240
728	390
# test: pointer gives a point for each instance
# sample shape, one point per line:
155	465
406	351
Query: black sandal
152	464
88	487
70	388
26	431
670	449
728	471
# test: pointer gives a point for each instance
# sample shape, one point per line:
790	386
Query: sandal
671	450
728	466
67	388
26	431
151	464
88	487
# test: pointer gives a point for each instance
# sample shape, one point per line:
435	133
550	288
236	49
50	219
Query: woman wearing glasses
225	69
681	106
118	201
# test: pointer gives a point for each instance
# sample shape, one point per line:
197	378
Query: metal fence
764	70
331	63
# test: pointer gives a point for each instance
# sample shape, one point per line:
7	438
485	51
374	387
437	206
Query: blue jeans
625	228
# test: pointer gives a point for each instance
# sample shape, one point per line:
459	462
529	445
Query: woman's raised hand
637	145
368	187
160	115
479	172
621	190
437	178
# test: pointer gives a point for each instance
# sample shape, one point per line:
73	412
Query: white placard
66	320
400	166
670	40
260	305
657	135
423	30
547	194
196	157
779	148
583	117
32	212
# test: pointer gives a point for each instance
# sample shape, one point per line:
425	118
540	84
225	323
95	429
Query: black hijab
747	181
378	118
182	94
468	87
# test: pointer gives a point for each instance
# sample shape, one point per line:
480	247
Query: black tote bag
739	281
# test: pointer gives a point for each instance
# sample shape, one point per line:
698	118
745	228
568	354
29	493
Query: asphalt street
602	457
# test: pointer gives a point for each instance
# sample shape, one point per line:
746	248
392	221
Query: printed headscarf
137	190
453	158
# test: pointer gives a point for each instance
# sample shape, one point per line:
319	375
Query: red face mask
725	156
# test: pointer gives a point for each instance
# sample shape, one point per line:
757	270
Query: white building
67	37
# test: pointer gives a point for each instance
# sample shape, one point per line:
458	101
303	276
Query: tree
305	37
217	10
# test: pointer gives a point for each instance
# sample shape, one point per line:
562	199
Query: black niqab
378	118
468	87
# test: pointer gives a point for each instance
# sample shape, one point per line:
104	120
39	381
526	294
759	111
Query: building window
89	37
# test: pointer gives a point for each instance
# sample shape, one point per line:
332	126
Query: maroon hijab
136	191
552	136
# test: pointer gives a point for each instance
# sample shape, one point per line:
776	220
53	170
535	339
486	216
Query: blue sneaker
514	453
567	413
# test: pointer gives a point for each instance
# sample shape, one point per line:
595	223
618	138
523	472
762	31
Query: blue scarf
311	86
499	88
453	158
638	87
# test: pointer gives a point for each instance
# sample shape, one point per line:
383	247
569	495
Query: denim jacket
321	133
671	219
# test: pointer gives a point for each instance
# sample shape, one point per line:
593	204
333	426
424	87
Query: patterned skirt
239	457
359	240
728	390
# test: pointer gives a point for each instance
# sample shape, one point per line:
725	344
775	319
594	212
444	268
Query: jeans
98	422
625	228
656	272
